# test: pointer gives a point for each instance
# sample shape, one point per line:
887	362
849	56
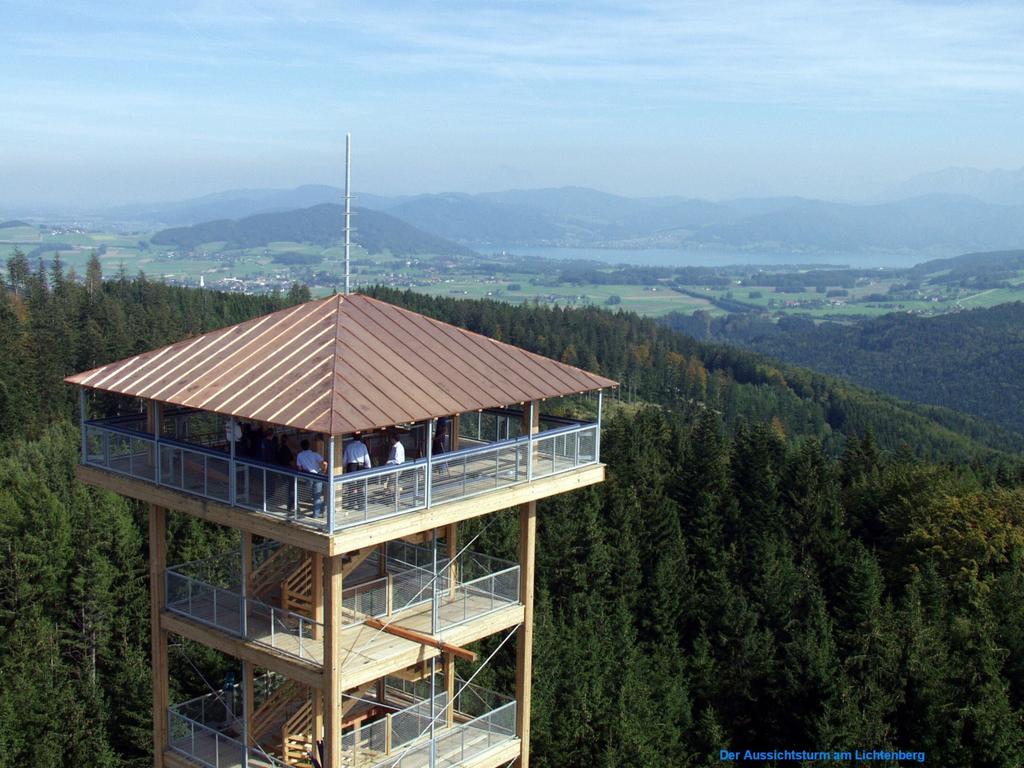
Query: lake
669	257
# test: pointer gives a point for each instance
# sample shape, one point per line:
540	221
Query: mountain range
933	225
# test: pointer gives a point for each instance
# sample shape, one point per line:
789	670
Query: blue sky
108	102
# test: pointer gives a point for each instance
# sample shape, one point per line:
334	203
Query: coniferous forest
777	560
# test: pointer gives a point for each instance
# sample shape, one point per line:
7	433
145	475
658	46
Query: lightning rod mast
348	207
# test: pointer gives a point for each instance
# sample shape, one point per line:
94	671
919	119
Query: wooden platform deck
366	653
475	748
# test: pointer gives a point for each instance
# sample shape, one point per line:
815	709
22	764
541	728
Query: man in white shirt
356	457
310	461
397	453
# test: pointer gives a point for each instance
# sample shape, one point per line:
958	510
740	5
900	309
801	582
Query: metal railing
401	738
563	449
203	729
476	598
359	497
228	610
460	743
380	492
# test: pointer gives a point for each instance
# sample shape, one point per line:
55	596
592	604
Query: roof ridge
333	415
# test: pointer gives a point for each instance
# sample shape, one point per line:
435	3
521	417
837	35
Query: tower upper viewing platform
340	413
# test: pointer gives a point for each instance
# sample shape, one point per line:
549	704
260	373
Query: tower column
158	635
524	640
333	622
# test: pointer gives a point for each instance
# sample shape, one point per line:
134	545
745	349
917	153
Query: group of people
356	456
253	441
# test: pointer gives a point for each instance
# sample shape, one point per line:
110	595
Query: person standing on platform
309	460
396	453
356	457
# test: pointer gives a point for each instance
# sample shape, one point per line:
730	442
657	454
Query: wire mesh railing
381	492
120	446
455	746
208	730
229	611
481	719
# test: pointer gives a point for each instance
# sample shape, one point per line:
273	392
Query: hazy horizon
110	104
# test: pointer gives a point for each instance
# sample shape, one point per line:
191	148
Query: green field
255	270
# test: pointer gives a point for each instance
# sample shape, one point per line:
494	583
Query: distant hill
992	265
321	224
1002	187
11	223
472	218
920	224
232	204
971	361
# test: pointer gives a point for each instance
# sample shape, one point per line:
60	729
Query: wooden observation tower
350	593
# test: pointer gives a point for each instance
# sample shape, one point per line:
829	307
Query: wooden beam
422	639
356	694
267	526
158	635
333	686
399	526
261	655
357	559
524	644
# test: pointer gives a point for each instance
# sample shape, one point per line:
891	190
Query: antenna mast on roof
348	206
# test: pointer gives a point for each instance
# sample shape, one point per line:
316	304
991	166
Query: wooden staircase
288	715
297	736
266	580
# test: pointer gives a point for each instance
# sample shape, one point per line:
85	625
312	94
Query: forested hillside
321	224
972	361
753	573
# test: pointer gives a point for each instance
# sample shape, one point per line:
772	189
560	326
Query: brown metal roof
340	365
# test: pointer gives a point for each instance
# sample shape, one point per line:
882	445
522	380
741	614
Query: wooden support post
318	592
247	676
453	438
531	426
333	688
247	562
449	687
318	634
524	644
158	635
451	537
248	681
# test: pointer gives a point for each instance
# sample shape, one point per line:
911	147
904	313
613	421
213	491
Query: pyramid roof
339	365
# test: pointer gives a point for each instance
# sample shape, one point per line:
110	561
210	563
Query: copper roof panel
340	365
